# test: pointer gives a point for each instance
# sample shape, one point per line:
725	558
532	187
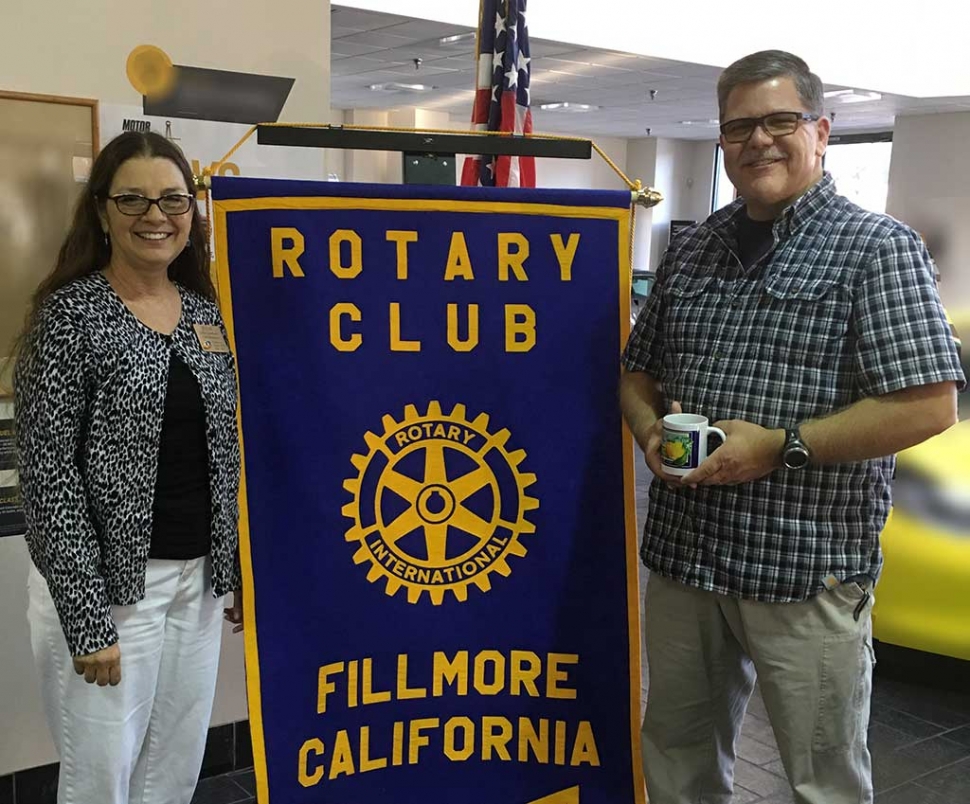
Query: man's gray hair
768	64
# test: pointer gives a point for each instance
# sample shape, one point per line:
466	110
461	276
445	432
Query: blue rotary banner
437	525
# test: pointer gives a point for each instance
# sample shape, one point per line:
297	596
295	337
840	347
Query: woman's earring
106	241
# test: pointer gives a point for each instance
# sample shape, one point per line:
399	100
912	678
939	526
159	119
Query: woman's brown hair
86	249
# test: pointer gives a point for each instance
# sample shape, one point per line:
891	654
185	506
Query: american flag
503	99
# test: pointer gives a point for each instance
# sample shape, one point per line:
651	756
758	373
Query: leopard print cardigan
90	389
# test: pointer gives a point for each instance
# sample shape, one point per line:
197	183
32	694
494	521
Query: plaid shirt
844	307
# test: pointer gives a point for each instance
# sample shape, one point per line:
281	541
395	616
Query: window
724	192
860	166
859	163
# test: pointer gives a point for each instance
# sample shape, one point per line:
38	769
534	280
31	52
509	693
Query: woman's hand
234	614
102	667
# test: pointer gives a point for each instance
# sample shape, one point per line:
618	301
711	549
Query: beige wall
685	175
683	171
929	188
371	167
582	174
380	167
24	741
79	49
335	160
641	161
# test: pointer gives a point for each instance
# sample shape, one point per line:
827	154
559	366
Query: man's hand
102	667
750	453
234	614
650	442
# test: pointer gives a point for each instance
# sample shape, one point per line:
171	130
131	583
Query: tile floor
919	739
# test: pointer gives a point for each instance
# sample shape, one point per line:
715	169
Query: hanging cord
633	223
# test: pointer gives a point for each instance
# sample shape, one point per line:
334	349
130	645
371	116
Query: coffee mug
684	445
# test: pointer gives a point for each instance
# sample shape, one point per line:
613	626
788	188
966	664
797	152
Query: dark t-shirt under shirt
755	240
182	508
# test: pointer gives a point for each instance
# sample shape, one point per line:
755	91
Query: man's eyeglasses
777	124
131	204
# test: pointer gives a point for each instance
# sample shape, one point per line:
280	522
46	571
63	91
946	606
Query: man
811	332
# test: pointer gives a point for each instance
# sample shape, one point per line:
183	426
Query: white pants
813	661
142	741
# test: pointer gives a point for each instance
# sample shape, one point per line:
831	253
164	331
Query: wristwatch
796	454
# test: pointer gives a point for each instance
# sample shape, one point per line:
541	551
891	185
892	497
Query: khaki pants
813	661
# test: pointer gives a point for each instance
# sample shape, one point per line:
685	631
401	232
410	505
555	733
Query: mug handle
718	432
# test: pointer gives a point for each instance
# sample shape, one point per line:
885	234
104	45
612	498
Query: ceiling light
457	38
852	95
564	106
395	86
701	123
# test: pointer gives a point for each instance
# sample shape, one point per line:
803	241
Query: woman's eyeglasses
132	204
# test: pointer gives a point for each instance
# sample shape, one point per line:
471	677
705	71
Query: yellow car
923	596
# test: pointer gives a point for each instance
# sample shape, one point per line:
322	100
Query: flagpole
478	38
478	71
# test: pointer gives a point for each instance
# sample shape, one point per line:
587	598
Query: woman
125	397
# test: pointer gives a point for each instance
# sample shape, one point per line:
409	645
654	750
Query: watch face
796	458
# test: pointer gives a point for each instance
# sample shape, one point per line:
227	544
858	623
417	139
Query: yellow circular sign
150	71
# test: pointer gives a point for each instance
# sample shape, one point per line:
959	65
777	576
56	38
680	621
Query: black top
755	240
182	509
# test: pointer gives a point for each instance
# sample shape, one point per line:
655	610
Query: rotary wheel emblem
439	503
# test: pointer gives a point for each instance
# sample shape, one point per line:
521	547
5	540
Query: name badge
210	338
